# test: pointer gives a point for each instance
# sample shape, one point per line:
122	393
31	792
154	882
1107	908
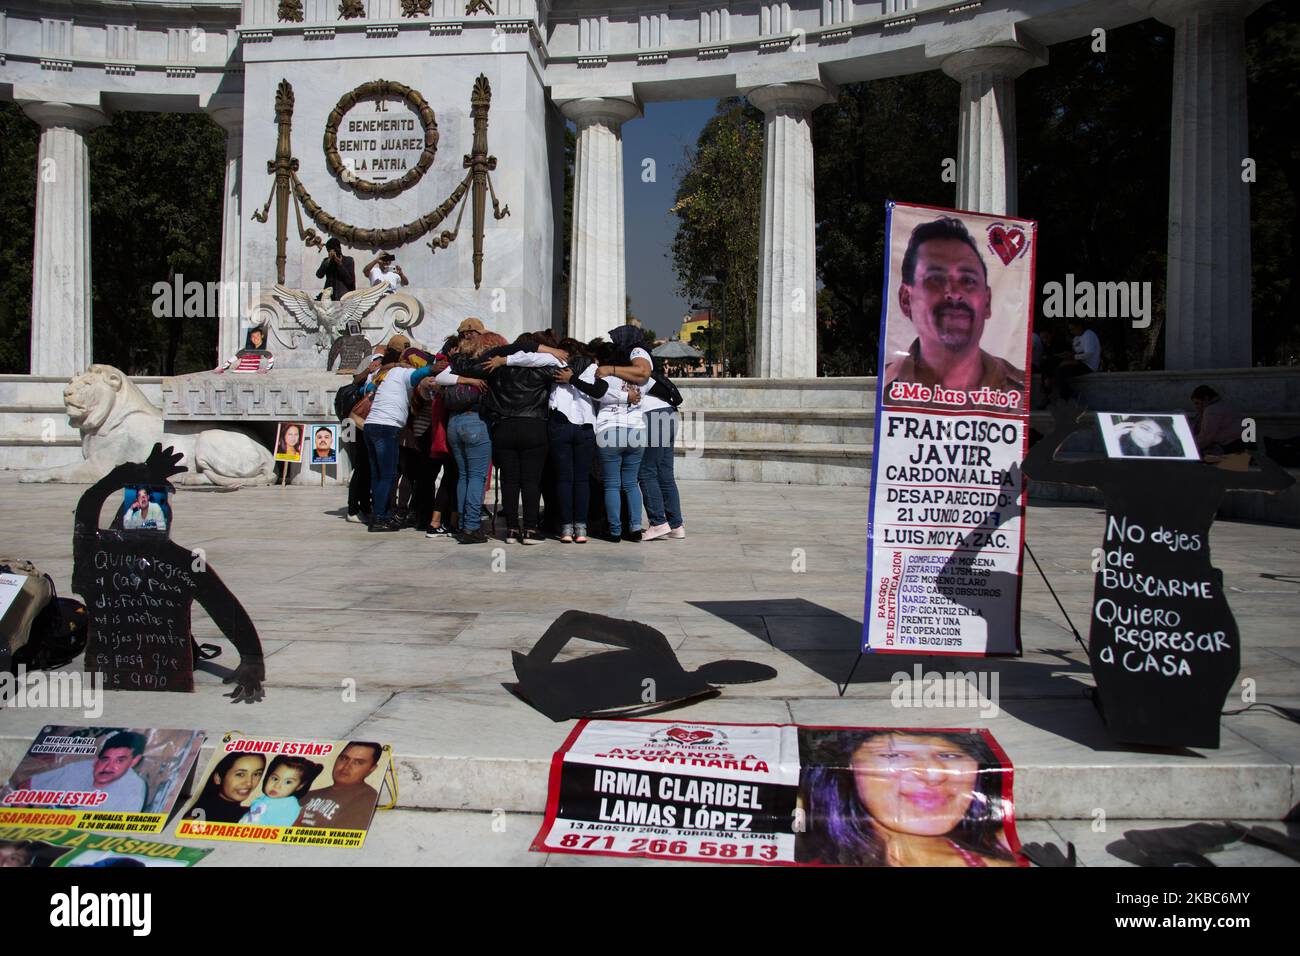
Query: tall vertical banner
946	528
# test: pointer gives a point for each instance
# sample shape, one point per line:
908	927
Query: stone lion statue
119	424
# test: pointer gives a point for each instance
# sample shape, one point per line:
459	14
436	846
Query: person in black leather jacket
517	406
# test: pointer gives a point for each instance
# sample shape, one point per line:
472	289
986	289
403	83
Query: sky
663	135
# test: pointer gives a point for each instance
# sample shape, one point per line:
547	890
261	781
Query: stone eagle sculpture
323	317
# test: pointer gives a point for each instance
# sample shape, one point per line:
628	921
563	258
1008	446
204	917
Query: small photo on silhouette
1141	435
145	508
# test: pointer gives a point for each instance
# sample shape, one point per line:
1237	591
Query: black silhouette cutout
139	587
1282	843
1165	648
643	676
1175	846
1049	854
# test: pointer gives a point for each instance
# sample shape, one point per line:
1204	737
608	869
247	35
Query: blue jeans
658	485
572	449
620	451
382	447
471	446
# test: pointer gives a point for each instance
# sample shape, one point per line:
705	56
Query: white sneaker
678	532
357	518
655	531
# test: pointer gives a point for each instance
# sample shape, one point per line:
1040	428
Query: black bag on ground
40	630
58	636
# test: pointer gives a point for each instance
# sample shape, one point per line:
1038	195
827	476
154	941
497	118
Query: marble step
800	463
35	420
19	454
402	837
768	424
48	389
483	750
777	392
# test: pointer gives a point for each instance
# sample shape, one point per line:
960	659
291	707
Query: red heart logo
1006	243
689	736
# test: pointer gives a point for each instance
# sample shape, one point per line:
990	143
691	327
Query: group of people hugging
551	415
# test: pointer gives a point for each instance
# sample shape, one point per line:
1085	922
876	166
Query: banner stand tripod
858	660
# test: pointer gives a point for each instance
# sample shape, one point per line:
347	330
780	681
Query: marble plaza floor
425	628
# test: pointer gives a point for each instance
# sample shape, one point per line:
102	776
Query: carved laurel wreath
379	90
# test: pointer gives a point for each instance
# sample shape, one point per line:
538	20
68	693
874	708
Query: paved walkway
424	628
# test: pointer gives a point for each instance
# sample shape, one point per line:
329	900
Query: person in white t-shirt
384	270
391	406
620	445
1084	358
658	484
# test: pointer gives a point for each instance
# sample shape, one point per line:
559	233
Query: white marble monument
549	62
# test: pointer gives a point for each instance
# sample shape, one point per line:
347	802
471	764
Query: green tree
1094	171
878	141
155	198
717	205
1273	89
18	141
155	192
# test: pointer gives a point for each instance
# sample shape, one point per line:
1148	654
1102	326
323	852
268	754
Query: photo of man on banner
946	524
951	325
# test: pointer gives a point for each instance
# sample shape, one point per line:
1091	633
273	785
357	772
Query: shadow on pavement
827	643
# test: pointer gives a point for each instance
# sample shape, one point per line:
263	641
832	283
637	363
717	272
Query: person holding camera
383	268
338	271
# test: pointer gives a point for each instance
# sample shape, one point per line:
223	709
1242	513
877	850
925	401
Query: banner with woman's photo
946	528
780	794
279	790
100	778
60	847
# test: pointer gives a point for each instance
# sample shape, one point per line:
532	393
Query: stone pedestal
787	289
597	276
256	404
986	164
1207	297
229	339
61	294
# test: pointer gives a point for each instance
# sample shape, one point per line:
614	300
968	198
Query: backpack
345	399
664	389
40	629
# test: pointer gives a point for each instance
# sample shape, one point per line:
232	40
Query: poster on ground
59	847
291	791
100	778
946	529
779	794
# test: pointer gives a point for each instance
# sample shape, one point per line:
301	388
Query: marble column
1208	283
597	270
986	163
61	341
787	282
229	341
